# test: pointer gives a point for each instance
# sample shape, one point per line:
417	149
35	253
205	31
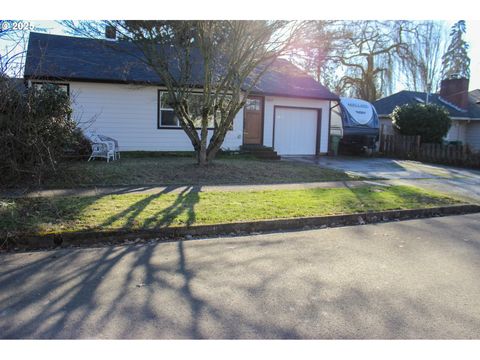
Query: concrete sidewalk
147	190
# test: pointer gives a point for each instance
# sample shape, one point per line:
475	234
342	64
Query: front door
253	121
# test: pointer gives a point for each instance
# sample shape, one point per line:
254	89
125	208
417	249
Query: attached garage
296	131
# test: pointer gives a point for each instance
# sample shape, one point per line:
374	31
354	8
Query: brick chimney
455	91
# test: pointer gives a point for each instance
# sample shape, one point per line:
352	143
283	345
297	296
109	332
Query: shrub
79	147
430	121
35	129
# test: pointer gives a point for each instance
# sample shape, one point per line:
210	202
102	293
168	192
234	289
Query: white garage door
295	131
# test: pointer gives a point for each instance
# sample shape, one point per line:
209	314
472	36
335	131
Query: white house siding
271	101
473	135
128	113
457	131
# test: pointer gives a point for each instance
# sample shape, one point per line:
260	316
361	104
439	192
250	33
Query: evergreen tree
455	62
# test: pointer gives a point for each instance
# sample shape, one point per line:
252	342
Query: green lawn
65	214
170	170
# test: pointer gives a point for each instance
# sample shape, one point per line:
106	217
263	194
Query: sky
472	37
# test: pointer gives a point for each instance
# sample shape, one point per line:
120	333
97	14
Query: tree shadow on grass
133	216
183	204
33	216
399	197
36	215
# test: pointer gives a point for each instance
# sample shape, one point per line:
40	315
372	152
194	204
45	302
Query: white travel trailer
356	122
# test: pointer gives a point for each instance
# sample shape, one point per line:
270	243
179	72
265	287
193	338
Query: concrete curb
92	238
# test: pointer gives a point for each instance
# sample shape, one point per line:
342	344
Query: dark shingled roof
386	105
84	59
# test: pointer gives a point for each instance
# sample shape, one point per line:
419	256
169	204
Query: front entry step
260	151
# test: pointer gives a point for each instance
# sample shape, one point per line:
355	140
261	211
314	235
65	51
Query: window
253	104
39	85
168	119
195	103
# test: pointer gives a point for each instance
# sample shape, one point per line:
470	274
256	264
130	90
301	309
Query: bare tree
356	58
421	63
316	45
232	56
12	55
370	52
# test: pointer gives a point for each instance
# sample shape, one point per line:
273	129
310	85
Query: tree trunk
218	137
202	158
212	153
202	153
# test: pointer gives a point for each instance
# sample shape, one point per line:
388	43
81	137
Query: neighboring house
464	109
122	98
475	96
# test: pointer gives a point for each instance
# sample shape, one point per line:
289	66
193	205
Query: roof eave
110	81
261	93
464	118
451	117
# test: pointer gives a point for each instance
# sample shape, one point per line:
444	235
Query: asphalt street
399	280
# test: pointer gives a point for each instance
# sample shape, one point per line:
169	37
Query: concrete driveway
462	183
400	280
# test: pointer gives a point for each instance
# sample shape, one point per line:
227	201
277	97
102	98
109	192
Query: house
463	107
475	96
115	94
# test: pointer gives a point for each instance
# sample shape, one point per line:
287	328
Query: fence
410	147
